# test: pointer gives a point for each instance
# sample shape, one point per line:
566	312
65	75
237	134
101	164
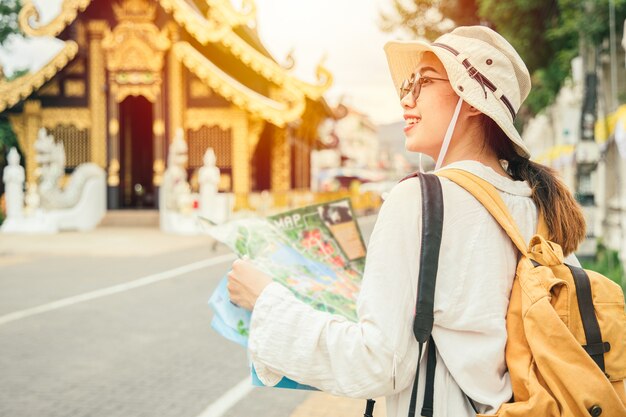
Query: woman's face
428	117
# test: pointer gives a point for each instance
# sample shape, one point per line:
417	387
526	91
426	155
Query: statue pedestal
38	223
220	208
179	223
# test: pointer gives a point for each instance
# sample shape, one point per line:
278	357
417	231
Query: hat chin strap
448	137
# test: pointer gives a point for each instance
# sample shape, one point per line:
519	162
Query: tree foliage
9	9
546	33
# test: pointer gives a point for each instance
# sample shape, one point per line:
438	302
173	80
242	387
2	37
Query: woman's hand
246	283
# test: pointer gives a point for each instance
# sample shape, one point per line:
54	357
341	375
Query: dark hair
562	214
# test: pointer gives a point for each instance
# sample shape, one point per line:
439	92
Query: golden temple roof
12	92
288	108
217	26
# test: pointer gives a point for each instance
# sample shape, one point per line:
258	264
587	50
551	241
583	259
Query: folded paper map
317	252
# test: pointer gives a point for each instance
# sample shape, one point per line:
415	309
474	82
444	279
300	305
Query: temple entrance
136	154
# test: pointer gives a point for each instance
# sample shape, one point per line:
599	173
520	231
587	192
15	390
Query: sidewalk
102	241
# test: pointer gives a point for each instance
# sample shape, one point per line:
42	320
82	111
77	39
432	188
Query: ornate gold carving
203	30
120	92
29	15
228	118
114	127
97	98
79	117
52	88
158	127
74	88
11	92
135	10
113	179
278	113
224	10
135	51
197	89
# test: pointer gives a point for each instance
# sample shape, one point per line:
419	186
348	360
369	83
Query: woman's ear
471	110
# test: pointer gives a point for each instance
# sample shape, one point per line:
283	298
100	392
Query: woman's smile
410	122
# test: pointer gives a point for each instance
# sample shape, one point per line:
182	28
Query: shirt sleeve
377	355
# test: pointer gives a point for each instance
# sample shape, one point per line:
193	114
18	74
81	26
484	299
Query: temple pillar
241	165
158	136
113	177
32	124
281	167
97	95
175	90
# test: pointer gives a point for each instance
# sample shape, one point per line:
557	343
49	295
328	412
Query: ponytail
562	214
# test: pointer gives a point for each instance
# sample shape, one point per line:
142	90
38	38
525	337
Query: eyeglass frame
414	85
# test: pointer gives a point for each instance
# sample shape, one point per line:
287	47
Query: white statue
208	178
184	198
176	201
174	185
13	178
80	205
47	172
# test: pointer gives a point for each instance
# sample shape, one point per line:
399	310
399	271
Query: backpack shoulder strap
488	197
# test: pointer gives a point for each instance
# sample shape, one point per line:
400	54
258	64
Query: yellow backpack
566	347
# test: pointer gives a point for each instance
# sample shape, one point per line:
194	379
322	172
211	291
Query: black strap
413	403
595	347
369	408
432	226
429	390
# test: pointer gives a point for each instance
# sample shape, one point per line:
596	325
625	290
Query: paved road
143	351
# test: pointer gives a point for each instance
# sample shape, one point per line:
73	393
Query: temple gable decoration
135	50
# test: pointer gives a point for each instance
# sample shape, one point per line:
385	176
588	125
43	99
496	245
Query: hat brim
404	57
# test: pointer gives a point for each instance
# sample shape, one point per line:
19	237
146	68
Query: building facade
132	72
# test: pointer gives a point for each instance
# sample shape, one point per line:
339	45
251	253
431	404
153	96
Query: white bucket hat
483	68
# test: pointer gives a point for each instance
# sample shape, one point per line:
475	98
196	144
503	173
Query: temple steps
130	218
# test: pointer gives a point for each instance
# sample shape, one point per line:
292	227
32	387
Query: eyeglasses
414	85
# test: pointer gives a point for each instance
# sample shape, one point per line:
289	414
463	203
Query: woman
460	98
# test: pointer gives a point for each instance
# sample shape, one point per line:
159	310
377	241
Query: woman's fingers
245	283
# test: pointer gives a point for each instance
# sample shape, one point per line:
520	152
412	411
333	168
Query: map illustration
317	252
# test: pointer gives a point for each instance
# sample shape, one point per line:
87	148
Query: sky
344	32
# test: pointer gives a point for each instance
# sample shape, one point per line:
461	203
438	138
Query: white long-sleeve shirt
377	356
